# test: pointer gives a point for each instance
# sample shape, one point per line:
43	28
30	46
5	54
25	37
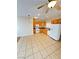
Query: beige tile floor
38	46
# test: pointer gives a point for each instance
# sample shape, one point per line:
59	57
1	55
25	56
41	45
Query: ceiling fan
51	4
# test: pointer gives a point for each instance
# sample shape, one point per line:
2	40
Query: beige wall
24	26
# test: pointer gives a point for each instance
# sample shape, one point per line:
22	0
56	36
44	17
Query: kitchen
38	29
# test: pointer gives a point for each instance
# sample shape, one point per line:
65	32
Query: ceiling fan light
52	4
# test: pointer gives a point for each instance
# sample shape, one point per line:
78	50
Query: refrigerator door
54	32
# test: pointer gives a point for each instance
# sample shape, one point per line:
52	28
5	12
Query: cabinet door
37	28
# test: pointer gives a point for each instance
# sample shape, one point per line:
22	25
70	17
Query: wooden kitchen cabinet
42	26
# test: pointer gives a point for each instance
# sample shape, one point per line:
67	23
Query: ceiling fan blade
58	5
42	6
47	10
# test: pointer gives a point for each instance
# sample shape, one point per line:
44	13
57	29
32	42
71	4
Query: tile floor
38	46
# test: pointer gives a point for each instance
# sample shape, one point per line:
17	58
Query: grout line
25	48
45	49
52	52
40	53
41	44
32	50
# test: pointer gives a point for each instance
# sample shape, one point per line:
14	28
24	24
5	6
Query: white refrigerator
55	31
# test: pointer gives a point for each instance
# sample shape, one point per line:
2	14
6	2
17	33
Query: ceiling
29	7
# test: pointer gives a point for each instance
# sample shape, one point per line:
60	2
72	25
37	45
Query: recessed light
38	14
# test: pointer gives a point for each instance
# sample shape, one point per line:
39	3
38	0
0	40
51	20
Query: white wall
24	26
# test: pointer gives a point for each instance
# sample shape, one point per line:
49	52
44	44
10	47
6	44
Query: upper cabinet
56	21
